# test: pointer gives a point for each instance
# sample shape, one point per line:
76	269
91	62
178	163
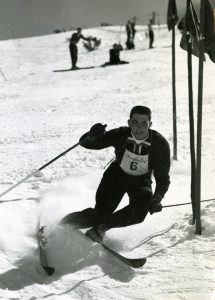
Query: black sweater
157	147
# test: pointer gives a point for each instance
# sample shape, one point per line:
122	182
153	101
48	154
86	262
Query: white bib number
134	164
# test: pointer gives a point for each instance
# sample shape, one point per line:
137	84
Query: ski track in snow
44	113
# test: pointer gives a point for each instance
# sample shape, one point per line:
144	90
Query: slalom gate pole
180	204
41	168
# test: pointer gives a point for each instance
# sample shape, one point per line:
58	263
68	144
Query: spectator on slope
129	42
151	34
140	153
133	30
75	38
115	56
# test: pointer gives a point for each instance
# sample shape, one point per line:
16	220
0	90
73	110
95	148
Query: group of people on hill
131	31
114	52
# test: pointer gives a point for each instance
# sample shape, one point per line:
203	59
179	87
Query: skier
73	46
140	151
151	34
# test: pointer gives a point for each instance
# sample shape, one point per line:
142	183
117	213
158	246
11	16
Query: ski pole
180	204
41	168
102	127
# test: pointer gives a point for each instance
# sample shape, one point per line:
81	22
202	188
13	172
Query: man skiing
73	46
140	152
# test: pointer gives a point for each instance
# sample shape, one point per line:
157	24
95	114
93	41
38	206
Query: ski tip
138	263
49	270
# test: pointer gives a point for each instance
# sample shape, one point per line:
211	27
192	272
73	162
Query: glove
155	205
97	130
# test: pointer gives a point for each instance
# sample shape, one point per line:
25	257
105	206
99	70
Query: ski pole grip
97	130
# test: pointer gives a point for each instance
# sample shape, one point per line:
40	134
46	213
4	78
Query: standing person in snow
129	42
151	34
140	152
133	29
73	46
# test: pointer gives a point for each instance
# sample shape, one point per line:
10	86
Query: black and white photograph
107	116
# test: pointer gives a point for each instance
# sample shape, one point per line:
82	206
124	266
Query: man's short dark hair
142	110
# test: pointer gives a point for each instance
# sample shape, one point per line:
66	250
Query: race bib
134	164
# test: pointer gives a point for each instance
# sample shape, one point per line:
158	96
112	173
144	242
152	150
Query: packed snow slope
42	114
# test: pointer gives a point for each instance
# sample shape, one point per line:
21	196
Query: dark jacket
156	148
114	56
76	38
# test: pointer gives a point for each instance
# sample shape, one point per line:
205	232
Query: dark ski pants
113	186
151	39
74	54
